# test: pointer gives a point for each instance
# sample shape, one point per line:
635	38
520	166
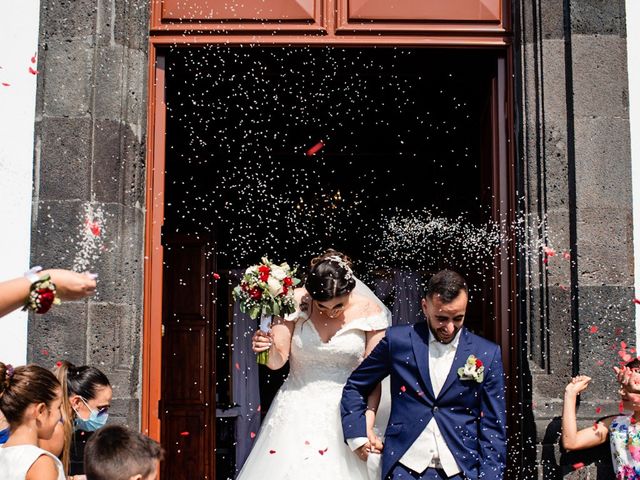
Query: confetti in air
91	236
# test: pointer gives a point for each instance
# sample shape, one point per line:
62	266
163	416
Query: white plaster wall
18	44
633	53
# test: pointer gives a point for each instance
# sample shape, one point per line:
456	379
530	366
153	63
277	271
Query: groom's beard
439	337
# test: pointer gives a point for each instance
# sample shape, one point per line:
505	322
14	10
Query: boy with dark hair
117	453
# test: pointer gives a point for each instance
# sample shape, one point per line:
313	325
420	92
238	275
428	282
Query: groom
448	418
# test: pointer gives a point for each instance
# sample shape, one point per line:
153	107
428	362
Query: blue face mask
97	419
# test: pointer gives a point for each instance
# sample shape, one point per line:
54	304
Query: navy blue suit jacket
471	415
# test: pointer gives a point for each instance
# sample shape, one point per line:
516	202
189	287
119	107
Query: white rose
469	371
275	287
278	273
251	270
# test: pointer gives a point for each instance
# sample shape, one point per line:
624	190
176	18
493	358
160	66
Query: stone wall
89	166
576	186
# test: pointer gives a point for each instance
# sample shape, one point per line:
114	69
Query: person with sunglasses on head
85	409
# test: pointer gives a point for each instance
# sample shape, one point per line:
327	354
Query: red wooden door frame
503	171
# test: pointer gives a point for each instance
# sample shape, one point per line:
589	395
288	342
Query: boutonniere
472	370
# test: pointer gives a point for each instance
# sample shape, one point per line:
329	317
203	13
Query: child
117	453
30	398
623	430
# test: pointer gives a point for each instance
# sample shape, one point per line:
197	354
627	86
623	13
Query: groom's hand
375	443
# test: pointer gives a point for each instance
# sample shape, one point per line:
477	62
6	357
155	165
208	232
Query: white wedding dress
301	436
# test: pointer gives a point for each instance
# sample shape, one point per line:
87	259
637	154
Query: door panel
187	411
246	11
426	10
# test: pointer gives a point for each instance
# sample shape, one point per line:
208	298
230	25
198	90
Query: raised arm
278	340
572	438
69	286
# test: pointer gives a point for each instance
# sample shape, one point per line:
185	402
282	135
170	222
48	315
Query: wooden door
187	406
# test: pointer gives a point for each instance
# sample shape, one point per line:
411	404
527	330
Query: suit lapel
420	342
462	353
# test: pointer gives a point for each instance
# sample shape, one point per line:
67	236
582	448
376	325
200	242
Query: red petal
58	364
33	59
45	351
315	148
621	407
598	409
623	345
272	452
593	329
95	229
636	301
237	366
306	442
259	408
32	71
566	255
577	466
252	435
216	276
403	388
184	434
321	452
5	84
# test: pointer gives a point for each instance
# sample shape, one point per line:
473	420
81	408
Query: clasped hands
373	445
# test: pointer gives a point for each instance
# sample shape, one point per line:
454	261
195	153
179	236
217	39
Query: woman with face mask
85	406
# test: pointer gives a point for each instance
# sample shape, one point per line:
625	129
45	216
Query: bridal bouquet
265	290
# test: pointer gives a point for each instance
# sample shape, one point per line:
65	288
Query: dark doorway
383	153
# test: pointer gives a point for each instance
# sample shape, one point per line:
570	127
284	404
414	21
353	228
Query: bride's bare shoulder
365	305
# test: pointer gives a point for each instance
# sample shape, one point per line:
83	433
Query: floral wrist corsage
42	295
472	370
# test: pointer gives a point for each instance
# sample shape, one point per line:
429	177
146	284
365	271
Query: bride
337	324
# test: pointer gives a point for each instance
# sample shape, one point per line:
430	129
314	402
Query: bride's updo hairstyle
330	276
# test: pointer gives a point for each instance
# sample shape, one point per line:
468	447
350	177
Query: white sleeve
356	443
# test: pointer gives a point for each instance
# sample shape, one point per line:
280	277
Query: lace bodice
312	360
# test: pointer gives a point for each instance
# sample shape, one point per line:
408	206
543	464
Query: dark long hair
330	276
84	381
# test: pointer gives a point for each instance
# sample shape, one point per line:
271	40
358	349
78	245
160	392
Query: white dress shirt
430	448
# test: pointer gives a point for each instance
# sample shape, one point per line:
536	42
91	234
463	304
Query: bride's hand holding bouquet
266	289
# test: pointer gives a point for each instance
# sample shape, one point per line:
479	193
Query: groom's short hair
447	284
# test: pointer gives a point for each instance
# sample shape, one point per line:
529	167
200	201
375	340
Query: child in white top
30	399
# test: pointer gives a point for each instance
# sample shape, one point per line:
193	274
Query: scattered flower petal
315	148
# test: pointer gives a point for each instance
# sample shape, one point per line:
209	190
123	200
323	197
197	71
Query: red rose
287	282
478	363
264	273
45	299
255	293
244	286
284	290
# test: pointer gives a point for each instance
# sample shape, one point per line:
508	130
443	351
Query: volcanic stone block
111	342
605	247
67	77
59	335
600	79
65	19
65	166
55	240
598	17
603	162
